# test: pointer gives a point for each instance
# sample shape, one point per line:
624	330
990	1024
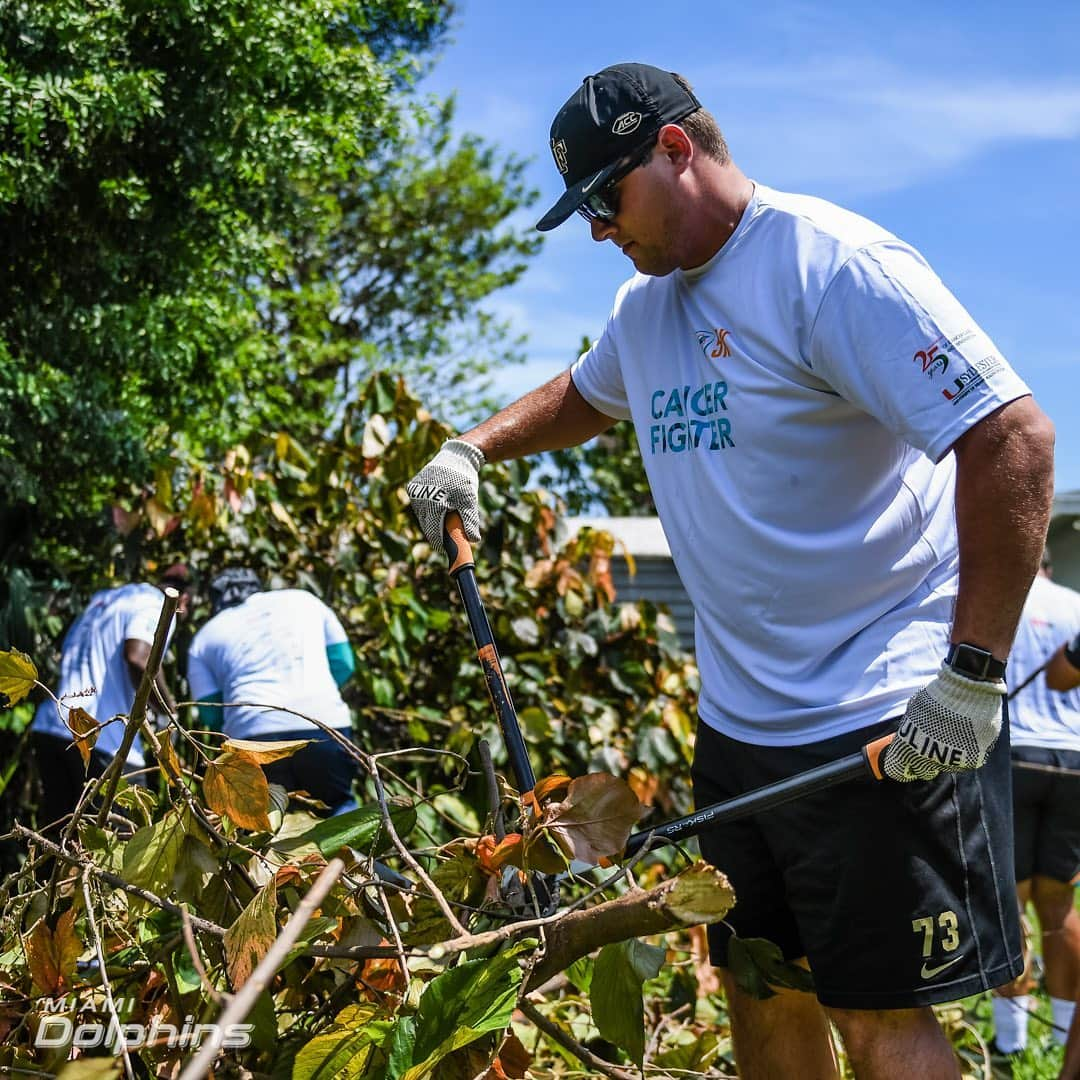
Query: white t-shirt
791	398
270	650
93	657
1038	715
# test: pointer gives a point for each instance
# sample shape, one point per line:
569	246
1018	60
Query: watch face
976	662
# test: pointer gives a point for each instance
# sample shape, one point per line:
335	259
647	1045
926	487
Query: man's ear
675	145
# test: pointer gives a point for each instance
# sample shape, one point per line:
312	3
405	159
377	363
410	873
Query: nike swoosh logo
585	189
929	972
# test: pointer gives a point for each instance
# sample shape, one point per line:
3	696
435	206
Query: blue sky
956	126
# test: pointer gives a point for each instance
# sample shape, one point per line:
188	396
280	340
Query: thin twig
117	882
568	1042
498	825
196	956
421	873
113	1014
137	717
244	1000
399	947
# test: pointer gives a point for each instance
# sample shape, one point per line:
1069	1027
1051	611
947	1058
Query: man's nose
602	229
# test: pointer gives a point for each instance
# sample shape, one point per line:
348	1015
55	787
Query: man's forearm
551	417
1004	493
1063	670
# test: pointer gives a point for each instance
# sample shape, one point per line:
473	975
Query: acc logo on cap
558	150
628	122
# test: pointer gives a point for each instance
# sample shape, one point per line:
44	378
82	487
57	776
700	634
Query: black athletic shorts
323	769
900	895
1046	813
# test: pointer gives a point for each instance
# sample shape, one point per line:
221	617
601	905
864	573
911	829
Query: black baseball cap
611	114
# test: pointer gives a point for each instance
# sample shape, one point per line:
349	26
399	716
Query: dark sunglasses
603	204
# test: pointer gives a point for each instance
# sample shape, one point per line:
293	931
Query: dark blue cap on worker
612	114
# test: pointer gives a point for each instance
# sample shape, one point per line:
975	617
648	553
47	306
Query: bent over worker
102	661
274	658
856	487
1045	731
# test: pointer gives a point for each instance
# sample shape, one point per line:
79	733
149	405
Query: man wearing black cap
856	487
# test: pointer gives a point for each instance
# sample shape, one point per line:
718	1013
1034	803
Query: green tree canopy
212	213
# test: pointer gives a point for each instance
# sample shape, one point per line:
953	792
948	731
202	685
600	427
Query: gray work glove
449	481
950	725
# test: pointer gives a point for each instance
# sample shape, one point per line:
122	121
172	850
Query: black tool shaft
862	763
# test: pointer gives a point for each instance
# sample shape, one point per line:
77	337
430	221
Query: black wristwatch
973	662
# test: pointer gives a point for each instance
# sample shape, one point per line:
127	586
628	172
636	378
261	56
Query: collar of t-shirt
696	272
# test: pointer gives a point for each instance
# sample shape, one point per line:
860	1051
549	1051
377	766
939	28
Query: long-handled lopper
463	572
862	763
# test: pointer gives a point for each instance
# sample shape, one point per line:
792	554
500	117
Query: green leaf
343	1052
400	1048
618	1009
462	1004
361	829
151	855
758	965
580	973
701	894
17	677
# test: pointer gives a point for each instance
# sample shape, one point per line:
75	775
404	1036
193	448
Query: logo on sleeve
714	343
973	377
934	359
626	124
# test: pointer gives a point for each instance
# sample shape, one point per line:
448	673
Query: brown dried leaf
125	521
85	729
167	759
162	520
237	788
708	981
538	573
551	787
595	818
249	939
643	784
514	1059
262	753
51	954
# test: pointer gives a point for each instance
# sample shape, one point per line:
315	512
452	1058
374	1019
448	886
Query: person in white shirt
103	658
264	662
1045	732
856	487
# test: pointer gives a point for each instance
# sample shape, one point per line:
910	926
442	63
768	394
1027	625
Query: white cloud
862	124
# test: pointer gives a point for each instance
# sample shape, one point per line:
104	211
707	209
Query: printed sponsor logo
58	1028
714	343
558	151
972	378
690	418
627	123
934	359
928	972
